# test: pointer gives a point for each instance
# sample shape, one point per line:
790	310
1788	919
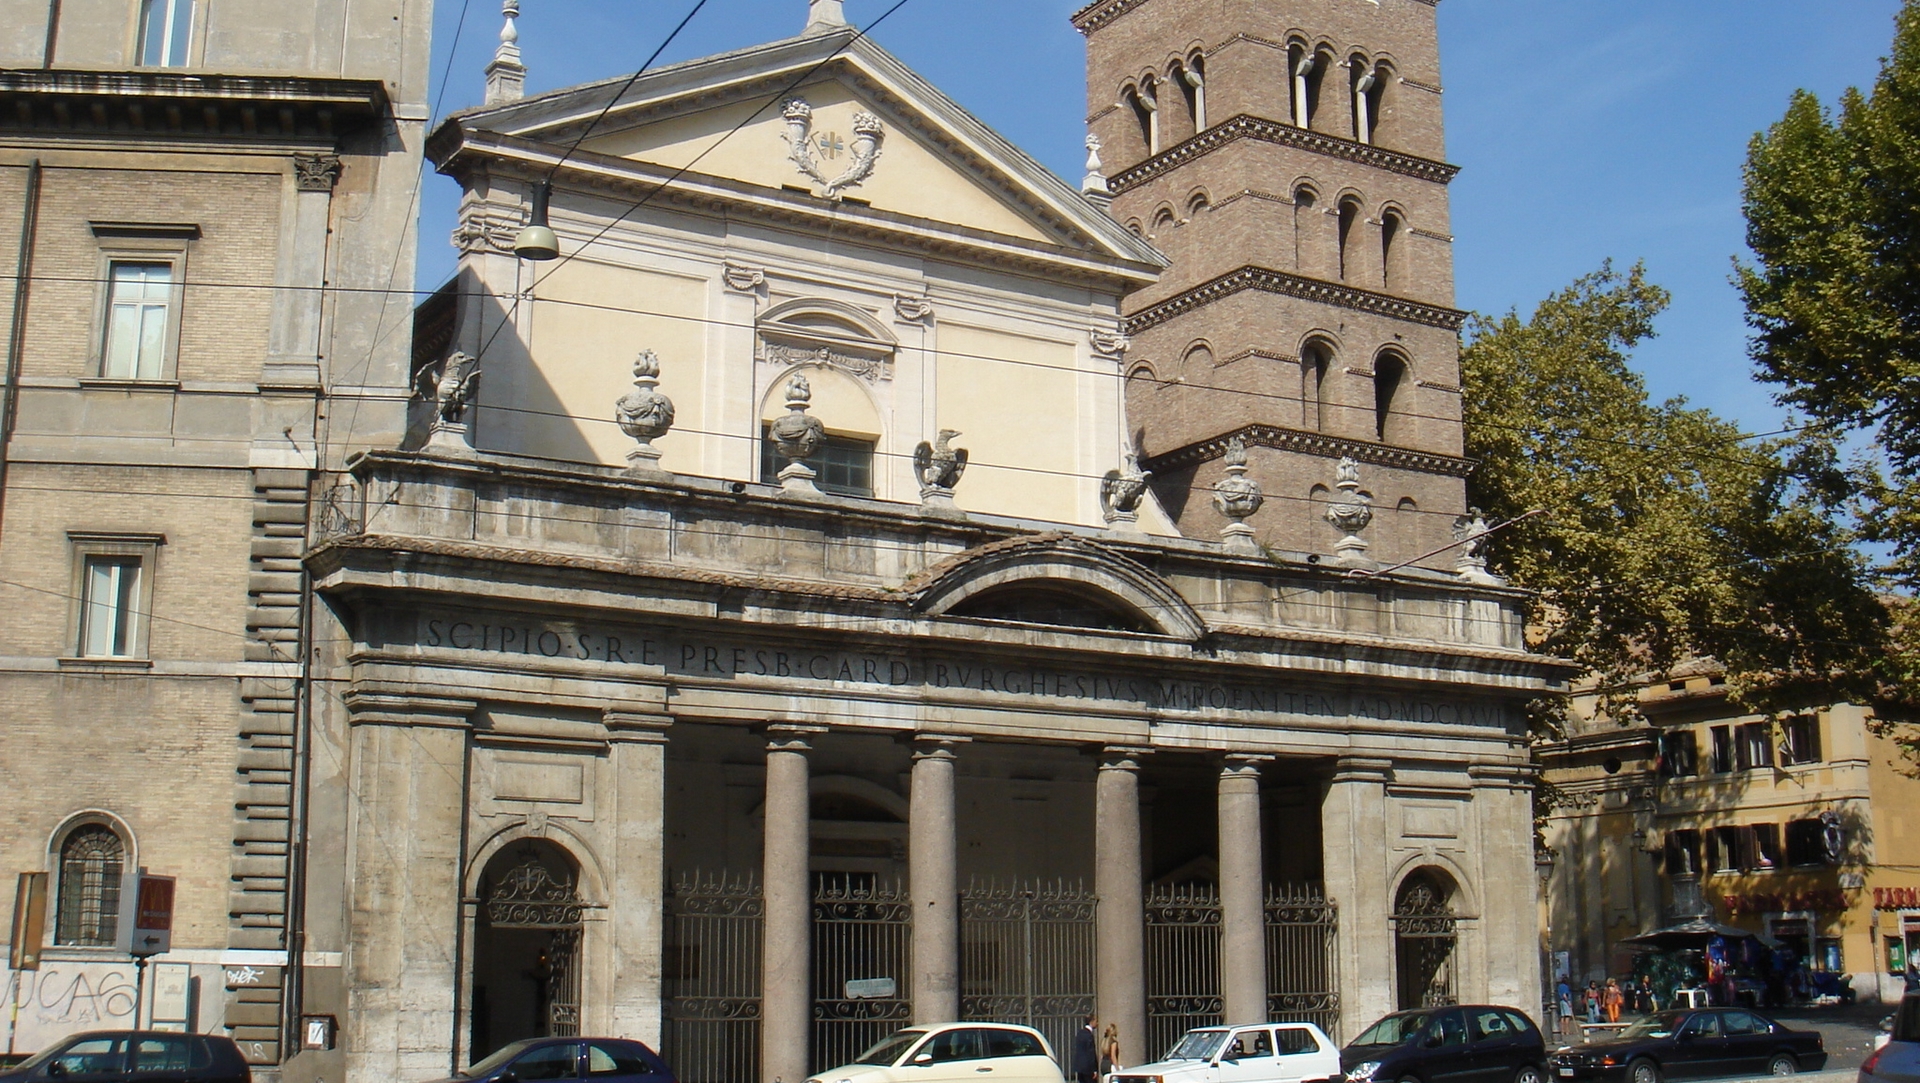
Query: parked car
144	1055
951	1052
1471	1043
1266	1053
602	1060
1691	1043
1898	1061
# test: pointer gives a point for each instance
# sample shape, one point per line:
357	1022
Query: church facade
777	629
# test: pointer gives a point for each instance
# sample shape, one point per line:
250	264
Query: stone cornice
1272	131
1311	443
160	104
1100	13
1267	280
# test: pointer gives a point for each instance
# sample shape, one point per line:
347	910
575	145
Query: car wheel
1783	1065
1528	1074
1643	1071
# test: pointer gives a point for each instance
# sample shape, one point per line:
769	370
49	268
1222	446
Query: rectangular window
1722	749
139	307
1766	846
1800	740
1683	852
110	607
1679	754
843	465
165	26
1806	844
1755	746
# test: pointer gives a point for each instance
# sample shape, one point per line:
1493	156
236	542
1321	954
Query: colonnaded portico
766	805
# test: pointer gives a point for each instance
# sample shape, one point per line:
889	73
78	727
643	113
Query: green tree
1833	217
1666	533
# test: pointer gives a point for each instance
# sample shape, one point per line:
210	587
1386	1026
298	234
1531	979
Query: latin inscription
696	658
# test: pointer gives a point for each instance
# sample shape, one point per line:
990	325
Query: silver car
1898	1061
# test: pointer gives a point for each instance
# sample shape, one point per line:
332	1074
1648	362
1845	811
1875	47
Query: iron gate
531	897
1026	956
1423	943
1183	962
712	978
1303	976
862	932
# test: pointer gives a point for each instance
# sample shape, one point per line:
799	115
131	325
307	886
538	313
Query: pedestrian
1649	1000
1086	1059
1110	1050
1593	1001
1610	1000
1564	994
1913	973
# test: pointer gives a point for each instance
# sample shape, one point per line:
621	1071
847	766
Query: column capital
937	746
791	736
1123	757
1362	769
1243	764
635	727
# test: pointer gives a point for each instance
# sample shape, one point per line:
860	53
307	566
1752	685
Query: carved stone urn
798	437
645	415
1120	494
1237	497
1350	513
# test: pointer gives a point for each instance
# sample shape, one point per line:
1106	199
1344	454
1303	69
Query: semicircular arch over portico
1081	583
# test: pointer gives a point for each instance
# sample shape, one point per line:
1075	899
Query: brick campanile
1287	156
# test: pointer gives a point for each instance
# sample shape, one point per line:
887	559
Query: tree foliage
1666	533
1833	216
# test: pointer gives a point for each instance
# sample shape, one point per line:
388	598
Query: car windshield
37	1059
1657	1025
888	1049
1198	1045
1394	1029
499	1059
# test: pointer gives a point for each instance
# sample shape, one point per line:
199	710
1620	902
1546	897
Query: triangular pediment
727	117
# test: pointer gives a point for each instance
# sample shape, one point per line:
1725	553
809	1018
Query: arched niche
1057	580
842	403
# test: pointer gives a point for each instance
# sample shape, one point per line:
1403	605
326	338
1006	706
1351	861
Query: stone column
935	885
630	976
1243	919
1353	832
786	989
1509	925
409	765
1120	965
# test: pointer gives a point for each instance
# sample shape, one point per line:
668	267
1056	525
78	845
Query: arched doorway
1424	940
526	947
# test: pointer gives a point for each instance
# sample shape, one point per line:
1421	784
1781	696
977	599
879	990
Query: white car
952	1053
1263	1053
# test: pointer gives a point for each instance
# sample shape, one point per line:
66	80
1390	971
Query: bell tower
1287	155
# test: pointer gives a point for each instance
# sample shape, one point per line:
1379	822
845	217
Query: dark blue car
600	1060
1469	1043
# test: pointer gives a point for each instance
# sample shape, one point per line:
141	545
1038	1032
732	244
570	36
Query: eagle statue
939	465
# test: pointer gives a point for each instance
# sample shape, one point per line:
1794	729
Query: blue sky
1586	130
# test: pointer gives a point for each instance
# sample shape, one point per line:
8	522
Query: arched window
1199	359
1349	229
1380	102
1389	373
1316	363
1145	103
1369	83
92	859
1300	66
1163	221
1198	202
1391	226
1304	218
1193	87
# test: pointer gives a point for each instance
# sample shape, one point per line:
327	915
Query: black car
1472	1043
143	1056
602	1060
1693	1043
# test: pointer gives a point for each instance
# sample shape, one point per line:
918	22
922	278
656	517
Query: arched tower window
1380	104
92	858
1391	227
1389	373
1299	72
1369	84
1193	87
1146	112
1316	364
1304	217
1349	235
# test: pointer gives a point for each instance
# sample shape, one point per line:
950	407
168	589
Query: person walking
1610	1000
1563	993
1086	1059
1593	1002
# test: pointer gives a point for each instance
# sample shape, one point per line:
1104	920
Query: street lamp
536	240
1543	864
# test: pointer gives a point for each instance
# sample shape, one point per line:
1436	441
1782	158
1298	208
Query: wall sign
1896	898
1828	899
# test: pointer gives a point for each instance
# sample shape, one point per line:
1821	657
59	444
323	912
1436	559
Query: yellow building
1792	829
